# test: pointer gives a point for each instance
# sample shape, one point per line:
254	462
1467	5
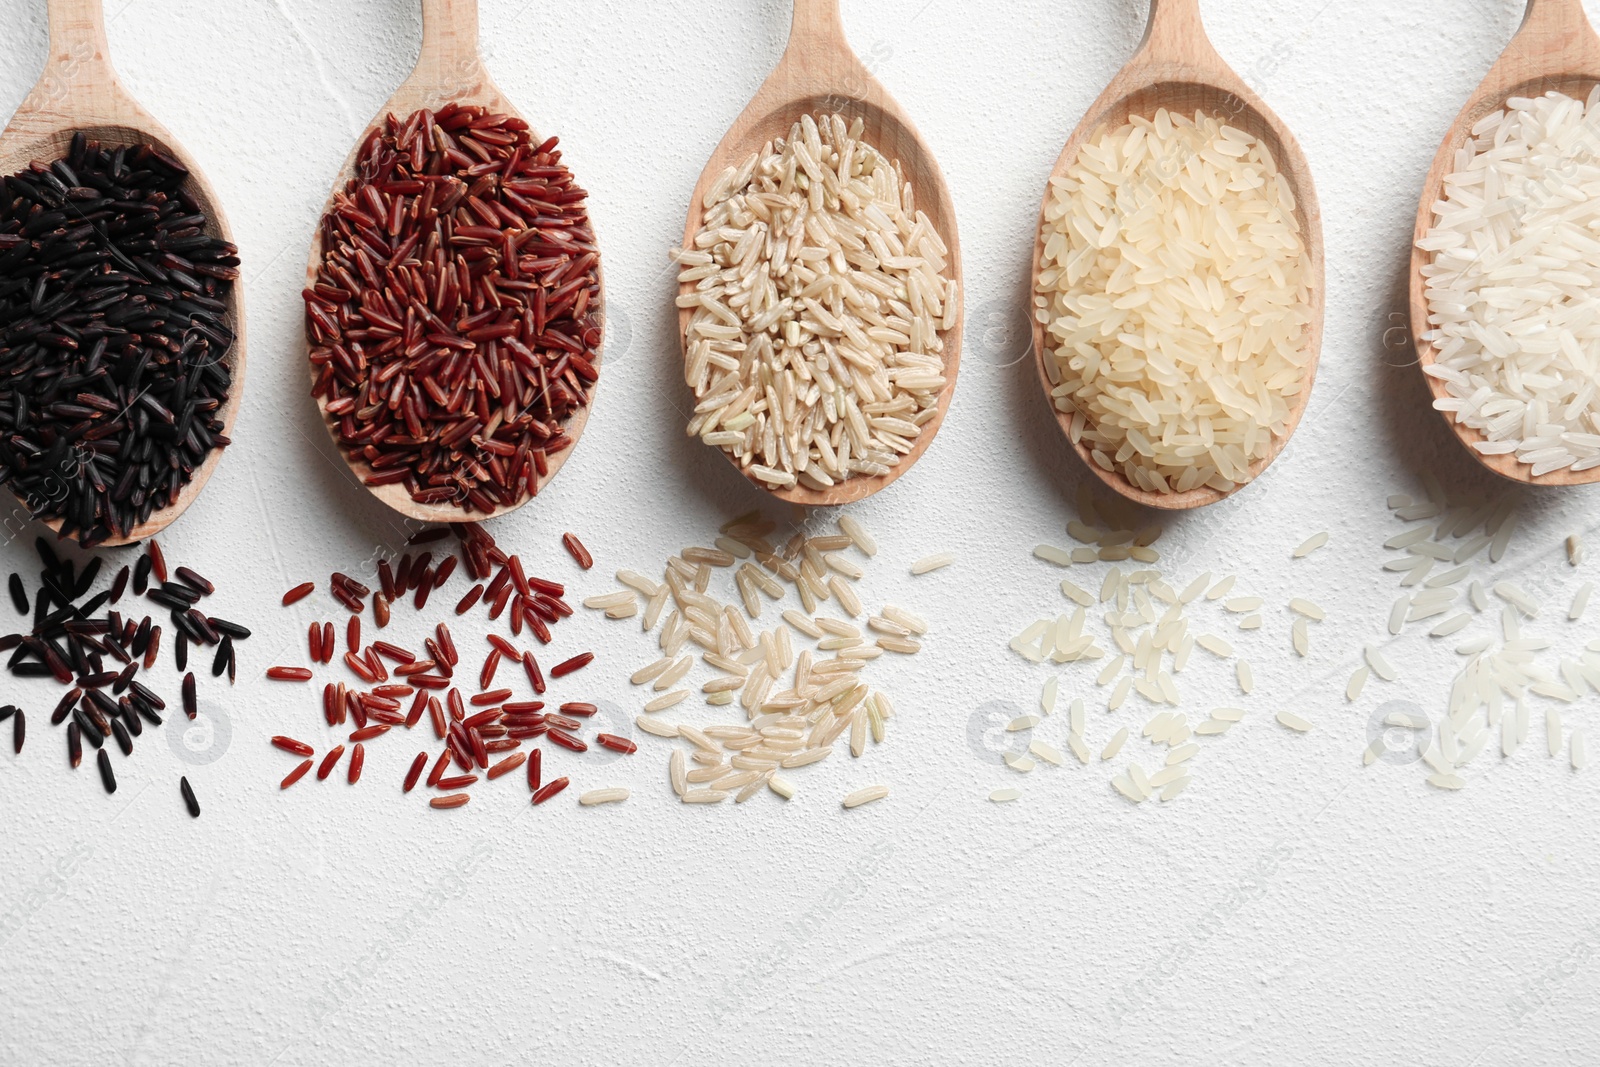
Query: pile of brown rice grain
819	296
790	648
1174	297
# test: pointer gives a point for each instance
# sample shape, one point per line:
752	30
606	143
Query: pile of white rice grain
1511	285
1513	661
1127	641
791	648
820	292
1174	297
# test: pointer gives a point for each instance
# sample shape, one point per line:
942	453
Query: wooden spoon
1556	49
80	92
449	69
819	74
1177	68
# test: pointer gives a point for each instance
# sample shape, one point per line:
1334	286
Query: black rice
124	741
19	595
91	729
64	708
112	337
189	800
130	717
76	640
194	581
107	778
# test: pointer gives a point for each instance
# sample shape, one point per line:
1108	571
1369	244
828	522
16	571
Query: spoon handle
77	43
1553	16
816	27
449	57
77	32
1175	32
77	79
1555	39
818	59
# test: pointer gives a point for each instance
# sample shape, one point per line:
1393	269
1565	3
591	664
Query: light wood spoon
449	69
1557	49
1177	68
80	92
819	74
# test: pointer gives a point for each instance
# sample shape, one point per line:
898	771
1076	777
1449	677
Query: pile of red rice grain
455	320
480	724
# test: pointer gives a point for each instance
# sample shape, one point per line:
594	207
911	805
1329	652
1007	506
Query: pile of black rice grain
113	337
80	639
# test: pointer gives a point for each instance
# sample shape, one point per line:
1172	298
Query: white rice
1052	755
1311	544
1177	370
1293	721
1301	606
1380	664
1511	280
613	795
1174	788
1358	681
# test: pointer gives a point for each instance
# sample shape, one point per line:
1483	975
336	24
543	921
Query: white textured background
1292	907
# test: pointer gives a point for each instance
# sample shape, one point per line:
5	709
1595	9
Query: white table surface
1292	907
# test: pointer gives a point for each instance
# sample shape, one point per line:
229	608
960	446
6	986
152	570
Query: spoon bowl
1555	49
449	69
819	74
79	92
1176	68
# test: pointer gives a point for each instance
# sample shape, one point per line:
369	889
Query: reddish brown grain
579	553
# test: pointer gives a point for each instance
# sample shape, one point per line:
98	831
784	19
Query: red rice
415	772
289	744
329	762
579	553
547	791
